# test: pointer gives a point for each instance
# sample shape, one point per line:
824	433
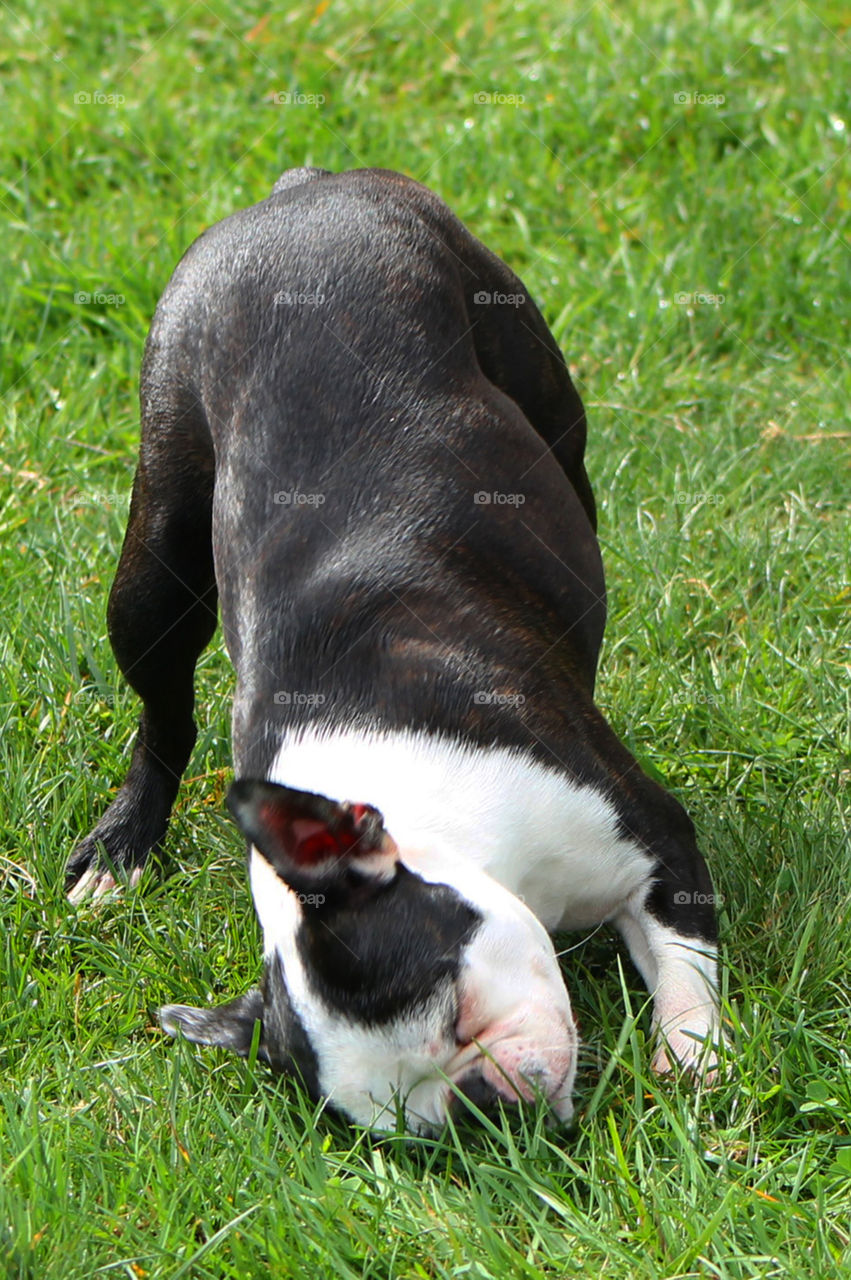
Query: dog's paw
695	1048
98	882
111	858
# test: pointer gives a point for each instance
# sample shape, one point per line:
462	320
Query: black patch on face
377	953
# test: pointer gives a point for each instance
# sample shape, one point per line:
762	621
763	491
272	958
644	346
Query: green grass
718	451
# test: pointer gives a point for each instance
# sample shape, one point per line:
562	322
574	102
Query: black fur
379	953
397	601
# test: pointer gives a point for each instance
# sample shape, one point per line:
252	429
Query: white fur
682	974
457	811
528	848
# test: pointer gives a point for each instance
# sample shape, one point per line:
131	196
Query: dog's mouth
510	1068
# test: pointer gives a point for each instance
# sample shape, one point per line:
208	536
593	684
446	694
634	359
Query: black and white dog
359	435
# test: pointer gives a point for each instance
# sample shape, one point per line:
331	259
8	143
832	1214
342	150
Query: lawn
671	180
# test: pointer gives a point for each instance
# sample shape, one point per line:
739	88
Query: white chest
457	812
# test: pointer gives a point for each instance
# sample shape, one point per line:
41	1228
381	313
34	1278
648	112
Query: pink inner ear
310	841
303	829
321	845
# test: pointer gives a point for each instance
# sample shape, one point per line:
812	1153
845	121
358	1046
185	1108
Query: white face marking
510	1013
494	826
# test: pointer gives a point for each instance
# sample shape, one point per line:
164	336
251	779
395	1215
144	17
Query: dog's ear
230	1026
265	1013
313	842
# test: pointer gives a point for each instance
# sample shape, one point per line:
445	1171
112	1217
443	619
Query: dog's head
380	987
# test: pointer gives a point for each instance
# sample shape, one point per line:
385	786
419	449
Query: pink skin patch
527	1053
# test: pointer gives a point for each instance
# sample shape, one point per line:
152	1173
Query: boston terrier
360	438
